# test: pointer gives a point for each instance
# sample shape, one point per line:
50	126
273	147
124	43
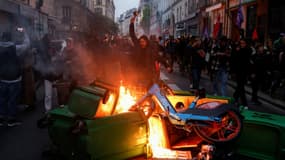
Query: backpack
10	65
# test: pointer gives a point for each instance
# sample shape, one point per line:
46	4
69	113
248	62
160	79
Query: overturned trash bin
88	128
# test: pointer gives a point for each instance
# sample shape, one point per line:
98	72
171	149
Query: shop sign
180	26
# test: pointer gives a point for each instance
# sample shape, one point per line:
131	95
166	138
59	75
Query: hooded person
144	57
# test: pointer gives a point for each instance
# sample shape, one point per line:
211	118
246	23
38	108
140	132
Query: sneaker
13	122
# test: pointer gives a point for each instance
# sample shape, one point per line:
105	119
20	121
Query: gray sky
124	5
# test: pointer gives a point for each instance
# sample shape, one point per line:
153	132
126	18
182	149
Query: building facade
168	19
54	17
155	17
124	22
23	13
104	7
214	18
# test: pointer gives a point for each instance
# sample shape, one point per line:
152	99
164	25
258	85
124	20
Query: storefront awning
214	7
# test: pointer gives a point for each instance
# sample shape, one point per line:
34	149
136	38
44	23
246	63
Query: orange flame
157	136
159	141
125	101
106	109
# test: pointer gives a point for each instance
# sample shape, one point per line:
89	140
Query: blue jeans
220	81
9	94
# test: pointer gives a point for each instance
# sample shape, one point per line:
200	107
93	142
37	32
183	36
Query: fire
157	137
106	109
125	101
159	143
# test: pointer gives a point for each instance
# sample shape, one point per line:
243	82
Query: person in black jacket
144	57
240	67
10	77
258	71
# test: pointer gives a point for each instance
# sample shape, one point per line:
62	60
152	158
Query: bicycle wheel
228	129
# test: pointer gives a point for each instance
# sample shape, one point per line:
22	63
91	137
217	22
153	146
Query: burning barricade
108	122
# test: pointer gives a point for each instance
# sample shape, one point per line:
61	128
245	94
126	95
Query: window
98	10
177	12
189	6
83	2
66	14
185	9
98	2
180	13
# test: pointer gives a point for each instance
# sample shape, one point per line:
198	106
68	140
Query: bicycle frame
175	117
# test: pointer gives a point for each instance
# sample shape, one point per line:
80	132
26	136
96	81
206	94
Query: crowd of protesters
248	62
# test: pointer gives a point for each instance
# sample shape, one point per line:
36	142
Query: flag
206	33
205	29
240	18
217	28
254	34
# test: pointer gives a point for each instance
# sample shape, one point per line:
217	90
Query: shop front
276	14
180	29
245	25
192	25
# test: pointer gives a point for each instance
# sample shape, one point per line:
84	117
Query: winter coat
10	64
241	61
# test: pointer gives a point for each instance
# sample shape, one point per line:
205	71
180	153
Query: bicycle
214	122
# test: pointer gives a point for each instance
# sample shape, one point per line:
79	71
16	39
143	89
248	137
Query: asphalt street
24	142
